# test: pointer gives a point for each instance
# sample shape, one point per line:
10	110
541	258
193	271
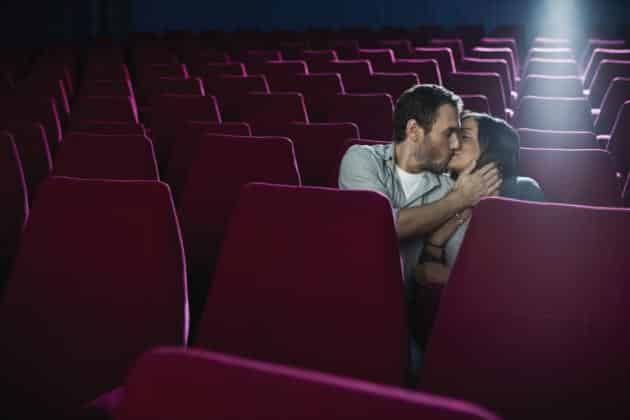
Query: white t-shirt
411	183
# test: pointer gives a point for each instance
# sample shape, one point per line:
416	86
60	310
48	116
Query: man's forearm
422	220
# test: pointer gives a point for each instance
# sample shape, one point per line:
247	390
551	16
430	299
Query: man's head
426	122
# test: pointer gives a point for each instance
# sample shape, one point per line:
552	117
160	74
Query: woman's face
469	150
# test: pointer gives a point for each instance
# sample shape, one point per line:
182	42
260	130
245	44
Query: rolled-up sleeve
360	169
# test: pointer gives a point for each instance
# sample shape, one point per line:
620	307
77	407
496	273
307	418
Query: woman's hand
432	274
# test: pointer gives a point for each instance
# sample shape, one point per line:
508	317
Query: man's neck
404	158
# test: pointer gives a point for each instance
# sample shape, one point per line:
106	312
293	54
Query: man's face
441	142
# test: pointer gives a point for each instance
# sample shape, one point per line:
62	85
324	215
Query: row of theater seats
301	281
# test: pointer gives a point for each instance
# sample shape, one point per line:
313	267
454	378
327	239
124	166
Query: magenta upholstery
551	86
394	84
45	86
269	114
485	65
550	42
151	73
574	176
122	88
619	144
230	92
504	42
456	46
208	196
355	74
476	103
487	84
277	72
381	59
43	111
117	156
551	337
557	139
595	43
428	70
170	113
174	85
14	209
443	55
192	384
625	195
317	89
316	148
35	156
206	69
554	53
554	114
317	57
497	54
599	55
606	72
111	109
347	49
372	113
550	67
617	93
402	48
106	127
99	279
363	297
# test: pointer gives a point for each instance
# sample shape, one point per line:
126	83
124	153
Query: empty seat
485	65
606	72
218	69
402	48
317	89
355	74
286	327
599	55
456	46
45	86
207	384
372	113
574	176
106	156
619	143
121	88
550	67
269	114
503	42
380	59
149	74
256	56
104	127
347	49
444	57
550	42
44	111
317	57
316	149
208	195
89	243
427	70
487	84
109	109
554	114
393	84
174	85
559	301
625	195
170	114
476	103
14	196
551	86
557	139
278	73
231	90
498	54
35	156
561	53
617	93
595	43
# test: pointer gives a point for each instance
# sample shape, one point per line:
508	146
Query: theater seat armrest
104	406
603	140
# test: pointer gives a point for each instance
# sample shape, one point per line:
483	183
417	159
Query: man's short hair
499	142
420	103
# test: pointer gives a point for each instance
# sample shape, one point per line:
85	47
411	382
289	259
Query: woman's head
486	139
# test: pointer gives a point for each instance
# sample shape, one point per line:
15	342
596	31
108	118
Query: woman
483	139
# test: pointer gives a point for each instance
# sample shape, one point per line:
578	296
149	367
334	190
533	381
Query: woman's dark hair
498	142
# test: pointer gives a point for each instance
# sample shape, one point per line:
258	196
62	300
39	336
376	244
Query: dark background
29	22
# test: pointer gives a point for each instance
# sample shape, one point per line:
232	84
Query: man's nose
454	141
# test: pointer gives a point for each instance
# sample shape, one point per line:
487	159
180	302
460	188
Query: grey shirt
520	188
373	168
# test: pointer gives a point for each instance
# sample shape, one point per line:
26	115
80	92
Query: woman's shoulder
522	188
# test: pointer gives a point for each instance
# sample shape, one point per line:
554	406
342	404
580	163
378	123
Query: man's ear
414	131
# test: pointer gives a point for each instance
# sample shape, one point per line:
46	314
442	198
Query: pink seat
316	148
208	197
269	114
317	89
444	57
606	72
230	92
550	67
484	65
44	111
120	88
617	93
554	114
278	73
314	58
573	176
89	243
110	109
287	327
372	113
551	86
550	42
174	85
256	56
347	49
498	54
380	59
189	384
557	139
599	55
14	210
217	69
106	157
394	84
476	103
402	48
595	43
427	70
487	84
456	46
619	143
532	338
355	74
558	53
504	42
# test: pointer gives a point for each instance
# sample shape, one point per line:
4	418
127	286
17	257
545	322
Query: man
410	171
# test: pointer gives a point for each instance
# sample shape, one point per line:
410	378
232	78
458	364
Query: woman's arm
434	245
432	274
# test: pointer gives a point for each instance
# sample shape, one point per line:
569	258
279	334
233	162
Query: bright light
560	18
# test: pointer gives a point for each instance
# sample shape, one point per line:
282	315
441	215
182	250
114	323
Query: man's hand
432	274
474	185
